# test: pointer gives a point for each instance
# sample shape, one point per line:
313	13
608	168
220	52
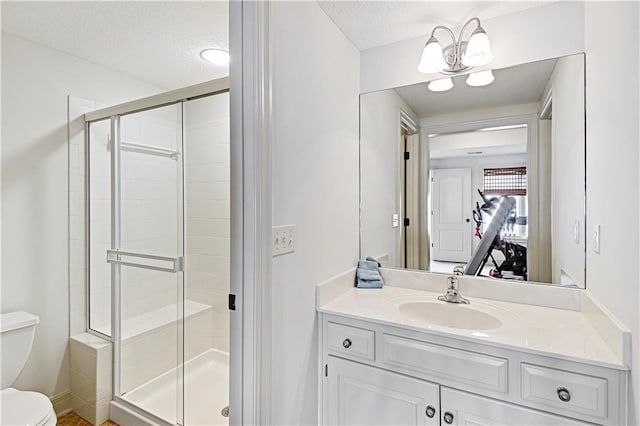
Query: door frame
407	250
250	101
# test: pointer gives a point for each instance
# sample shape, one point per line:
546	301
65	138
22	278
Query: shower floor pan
206	391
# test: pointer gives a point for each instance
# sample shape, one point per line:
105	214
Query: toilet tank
17	330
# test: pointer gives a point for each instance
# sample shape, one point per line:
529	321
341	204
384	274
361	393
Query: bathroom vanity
397	355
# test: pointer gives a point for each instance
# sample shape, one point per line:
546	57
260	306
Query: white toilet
18	408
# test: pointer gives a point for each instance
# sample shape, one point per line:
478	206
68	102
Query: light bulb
432	60
441	85
478	50
482	78
215	56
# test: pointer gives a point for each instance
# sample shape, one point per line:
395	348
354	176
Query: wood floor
72	419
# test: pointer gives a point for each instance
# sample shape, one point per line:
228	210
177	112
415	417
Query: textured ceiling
158	42
375	23
515	85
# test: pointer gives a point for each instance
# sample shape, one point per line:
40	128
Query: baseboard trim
62	403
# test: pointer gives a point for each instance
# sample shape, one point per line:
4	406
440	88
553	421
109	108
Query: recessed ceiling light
215	56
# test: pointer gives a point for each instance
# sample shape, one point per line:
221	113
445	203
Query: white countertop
541	330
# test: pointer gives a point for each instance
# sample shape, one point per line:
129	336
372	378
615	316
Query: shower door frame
113	113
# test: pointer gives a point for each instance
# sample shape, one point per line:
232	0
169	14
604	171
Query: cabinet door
461	408
361	395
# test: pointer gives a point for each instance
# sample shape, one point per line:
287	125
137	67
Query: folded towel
368	265
368	275
371	259
369	284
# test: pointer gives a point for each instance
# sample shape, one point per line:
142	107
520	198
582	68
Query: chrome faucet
452	295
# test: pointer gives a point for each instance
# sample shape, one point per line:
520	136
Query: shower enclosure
158	261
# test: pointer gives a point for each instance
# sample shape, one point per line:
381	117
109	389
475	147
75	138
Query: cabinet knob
448	418
431	411
346	343
564	395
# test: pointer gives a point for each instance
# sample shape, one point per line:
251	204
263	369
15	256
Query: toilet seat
26	408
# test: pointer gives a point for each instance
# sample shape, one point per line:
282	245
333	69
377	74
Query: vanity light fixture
458	57
215	56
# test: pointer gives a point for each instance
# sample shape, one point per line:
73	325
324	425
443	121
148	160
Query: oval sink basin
450	315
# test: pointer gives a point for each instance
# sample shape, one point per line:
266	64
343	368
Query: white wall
530	35
568	168
35	84
612	166
315	186
380	147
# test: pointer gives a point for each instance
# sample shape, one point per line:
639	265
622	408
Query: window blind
505	181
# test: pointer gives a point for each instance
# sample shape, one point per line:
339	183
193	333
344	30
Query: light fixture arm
457	43
453	38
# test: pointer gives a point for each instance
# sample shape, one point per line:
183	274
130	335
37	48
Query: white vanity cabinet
362	395
378	374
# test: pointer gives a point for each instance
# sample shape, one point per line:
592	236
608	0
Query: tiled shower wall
208	215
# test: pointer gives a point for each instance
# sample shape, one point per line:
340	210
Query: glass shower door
147	260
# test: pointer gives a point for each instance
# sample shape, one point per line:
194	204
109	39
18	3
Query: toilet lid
23	408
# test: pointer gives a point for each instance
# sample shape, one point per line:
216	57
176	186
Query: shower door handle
153	262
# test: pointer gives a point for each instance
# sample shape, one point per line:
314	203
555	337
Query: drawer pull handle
346	343
564	395
448	418
430	411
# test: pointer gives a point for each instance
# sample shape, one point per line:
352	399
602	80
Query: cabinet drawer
451	365
350	341
565	391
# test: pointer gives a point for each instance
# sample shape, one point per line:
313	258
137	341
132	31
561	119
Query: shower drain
225	411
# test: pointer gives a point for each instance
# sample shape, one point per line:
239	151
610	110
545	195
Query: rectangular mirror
489	179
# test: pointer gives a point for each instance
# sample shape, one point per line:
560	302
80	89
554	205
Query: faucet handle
458	270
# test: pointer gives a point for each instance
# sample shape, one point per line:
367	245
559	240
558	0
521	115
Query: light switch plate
596	238
395	221
576	231
283	238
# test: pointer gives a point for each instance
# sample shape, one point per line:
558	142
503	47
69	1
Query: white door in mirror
451	203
